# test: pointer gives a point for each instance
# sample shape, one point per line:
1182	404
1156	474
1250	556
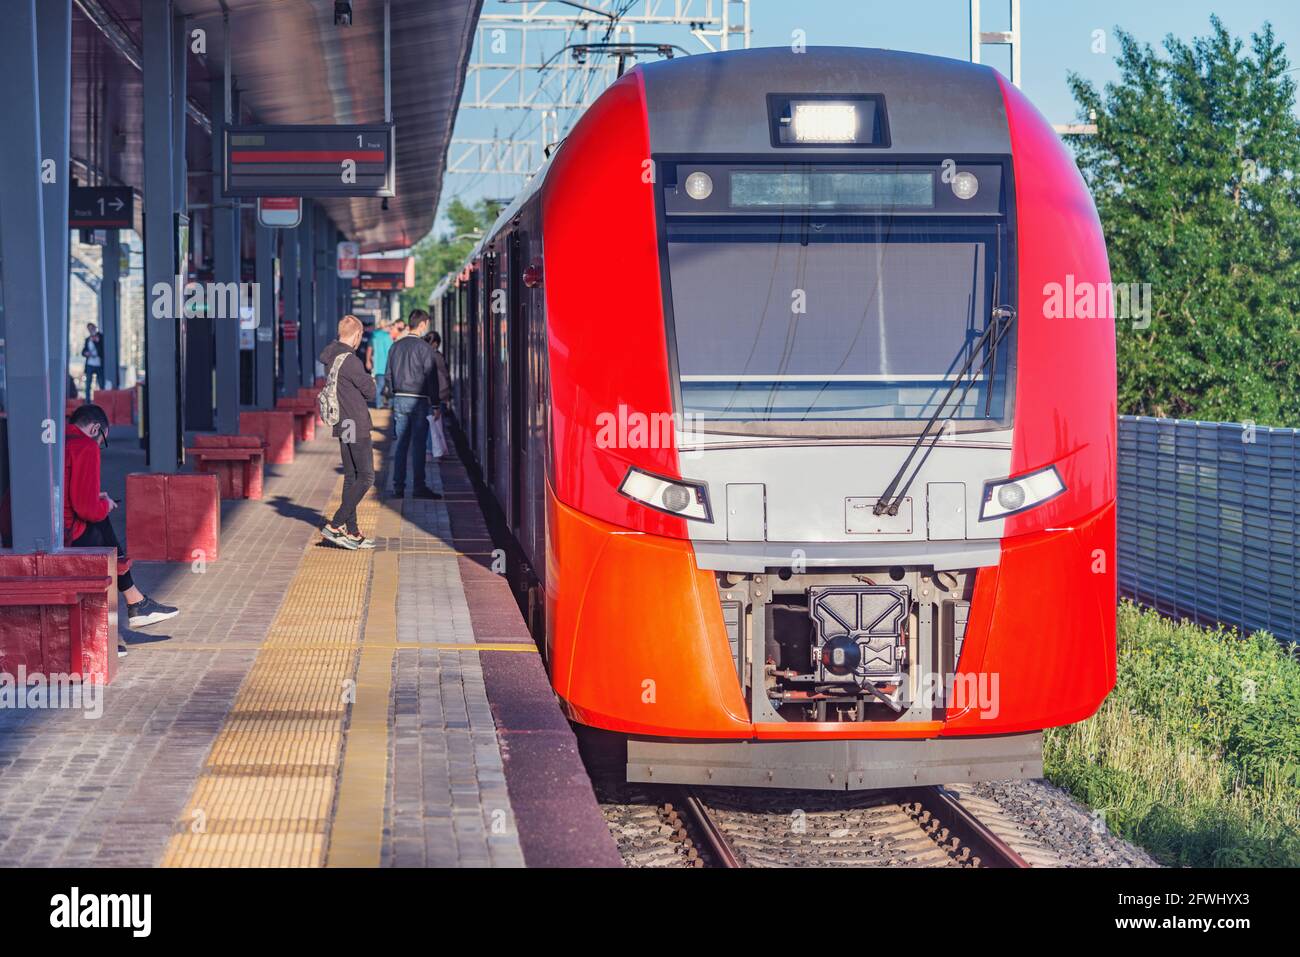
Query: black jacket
356	390
411	369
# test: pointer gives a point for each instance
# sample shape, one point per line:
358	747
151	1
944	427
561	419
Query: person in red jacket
86	509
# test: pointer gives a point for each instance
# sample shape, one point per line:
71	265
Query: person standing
412	378
444	389
380	343
355	390
92	350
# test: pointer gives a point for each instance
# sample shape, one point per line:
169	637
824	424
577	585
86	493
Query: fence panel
1208	521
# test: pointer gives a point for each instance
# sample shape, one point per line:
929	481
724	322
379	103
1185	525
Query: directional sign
101	207
309	160
279	212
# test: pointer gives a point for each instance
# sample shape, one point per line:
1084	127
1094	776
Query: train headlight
1010	496
699	185
674	496
824	122
965	185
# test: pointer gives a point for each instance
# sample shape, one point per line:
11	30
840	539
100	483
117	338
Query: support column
326	300
109	308
307	296
225	269
54	70
162	365
291	373
264	336
35	459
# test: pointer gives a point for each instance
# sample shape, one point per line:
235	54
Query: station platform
312	706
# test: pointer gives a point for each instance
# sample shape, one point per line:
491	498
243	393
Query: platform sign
349	260
279	212
101	207
309	160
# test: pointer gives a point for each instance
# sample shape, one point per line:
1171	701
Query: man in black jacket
414	380
356	390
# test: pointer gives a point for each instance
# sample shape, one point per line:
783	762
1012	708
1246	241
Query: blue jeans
379	391
411	428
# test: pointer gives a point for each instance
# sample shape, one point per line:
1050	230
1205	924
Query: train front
833	402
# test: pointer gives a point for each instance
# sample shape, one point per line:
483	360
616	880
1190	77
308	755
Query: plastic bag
437	441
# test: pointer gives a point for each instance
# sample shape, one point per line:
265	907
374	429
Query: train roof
717	103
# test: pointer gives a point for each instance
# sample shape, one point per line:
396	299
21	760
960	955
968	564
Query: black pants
358	476
94	376
101	535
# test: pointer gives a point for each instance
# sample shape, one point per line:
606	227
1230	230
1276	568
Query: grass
1196	753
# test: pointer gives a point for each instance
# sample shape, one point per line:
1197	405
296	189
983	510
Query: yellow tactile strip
266	793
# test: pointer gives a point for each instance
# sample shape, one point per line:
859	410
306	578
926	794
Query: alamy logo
103	910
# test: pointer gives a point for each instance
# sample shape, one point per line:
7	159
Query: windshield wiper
1003	317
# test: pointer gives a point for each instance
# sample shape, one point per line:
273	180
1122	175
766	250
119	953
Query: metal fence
1209	520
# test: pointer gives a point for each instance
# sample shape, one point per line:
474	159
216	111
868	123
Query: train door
475	327
516	363
490	345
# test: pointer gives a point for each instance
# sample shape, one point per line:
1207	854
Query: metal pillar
264	335
35	457
307	293
290	372
326	299
225	269
162	365
109	310
54	70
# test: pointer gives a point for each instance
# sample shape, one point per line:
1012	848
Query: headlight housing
1010	496
671	496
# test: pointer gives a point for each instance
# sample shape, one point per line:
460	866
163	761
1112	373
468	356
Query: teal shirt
381	342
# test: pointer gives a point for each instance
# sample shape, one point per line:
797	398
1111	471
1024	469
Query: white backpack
328	400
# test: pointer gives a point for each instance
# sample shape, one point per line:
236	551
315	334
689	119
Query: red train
813	489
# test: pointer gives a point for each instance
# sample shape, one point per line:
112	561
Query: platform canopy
292	65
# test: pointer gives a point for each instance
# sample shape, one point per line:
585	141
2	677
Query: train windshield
802	318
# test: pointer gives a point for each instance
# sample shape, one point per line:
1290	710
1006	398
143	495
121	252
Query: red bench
58	614
304	416
173	518
236	461
275	429
118	405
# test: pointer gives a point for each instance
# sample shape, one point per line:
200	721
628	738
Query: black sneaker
149	612
426	493
121	649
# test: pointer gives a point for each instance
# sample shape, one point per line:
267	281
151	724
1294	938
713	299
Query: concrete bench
118	405
236	460
173	518
304	416
58	614
276	430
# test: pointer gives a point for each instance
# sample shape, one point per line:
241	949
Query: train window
793	319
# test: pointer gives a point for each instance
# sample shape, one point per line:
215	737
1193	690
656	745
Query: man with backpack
345	405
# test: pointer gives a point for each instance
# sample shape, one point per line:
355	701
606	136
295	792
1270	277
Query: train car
793	375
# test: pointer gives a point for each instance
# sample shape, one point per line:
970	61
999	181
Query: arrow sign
101	207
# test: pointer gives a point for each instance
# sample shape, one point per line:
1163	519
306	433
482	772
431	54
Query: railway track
721	827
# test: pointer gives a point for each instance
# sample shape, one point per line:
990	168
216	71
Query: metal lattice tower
550	83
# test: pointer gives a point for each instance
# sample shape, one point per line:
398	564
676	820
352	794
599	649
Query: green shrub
1196	753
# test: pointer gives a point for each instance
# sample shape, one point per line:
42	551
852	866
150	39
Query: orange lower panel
636	641
1047	657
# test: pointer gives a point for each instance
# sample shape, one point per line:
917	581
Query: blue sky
1058	37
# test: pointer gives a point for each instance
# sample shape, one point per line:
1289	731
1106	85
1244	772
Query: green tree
436	257
1193	169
